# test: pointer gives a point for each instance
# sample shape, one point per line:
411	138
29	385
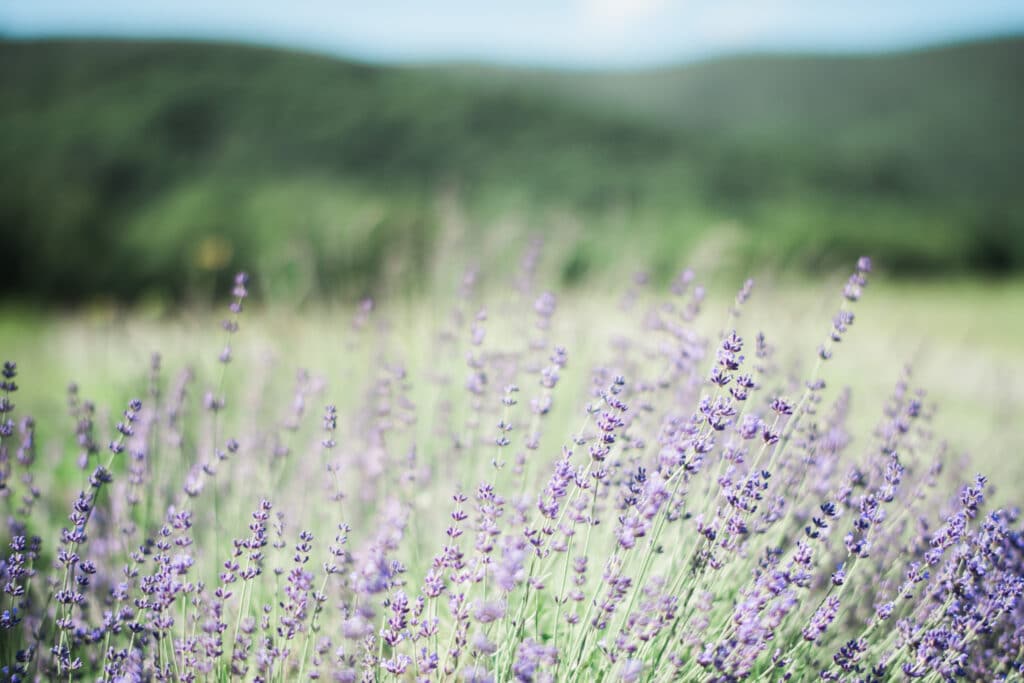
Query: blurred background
148	150
481	153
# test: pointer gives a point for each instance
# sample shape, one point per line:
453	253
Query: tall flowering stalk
8	386
214	400
77	572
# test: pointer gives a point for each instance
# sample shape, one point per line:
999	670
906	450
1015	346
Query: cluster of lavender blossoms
672	507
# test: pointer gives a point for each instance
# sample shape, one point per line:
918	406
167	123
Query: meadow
504	479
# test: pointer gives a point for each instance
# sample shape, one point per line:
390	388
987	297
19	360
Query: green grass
135	169
958	335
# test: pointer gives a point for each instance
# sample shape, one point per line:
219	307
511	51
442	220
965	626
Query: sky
561	33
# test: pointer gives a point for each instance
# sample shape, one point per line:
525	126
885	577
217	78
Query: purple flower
530	658
487	612
821	620
848	657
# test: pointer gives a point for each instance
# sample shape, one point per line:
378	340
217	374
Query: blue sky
577	33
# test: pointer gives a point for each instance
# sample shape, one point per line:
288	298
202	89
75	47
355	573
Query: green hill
136	166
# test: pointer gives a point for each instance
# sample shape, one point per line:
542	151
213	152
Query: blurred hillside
132	169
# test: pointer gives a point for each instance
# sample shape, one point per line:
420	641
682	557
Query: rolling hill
131	167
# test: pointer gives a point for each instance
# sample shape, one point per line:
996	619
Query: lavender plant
687	511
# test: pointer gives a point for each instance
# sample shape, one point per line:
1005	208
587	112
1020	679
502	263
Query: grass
959	324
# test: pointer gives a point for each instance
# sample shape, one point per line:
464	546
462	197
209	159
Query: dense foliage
133	169
701	514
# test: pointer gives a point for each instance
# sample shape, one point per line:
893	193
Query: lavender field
503	481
